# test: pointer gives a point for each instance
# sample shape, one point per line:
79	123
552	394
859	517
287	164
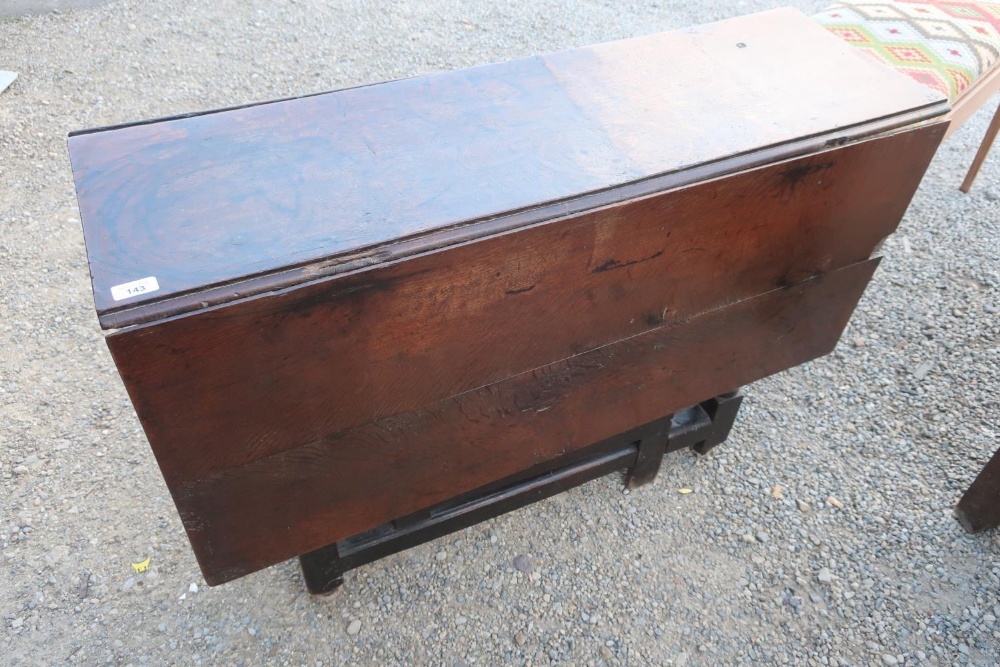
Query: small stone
520	639
129	583
889	659
16	623
493	539
992	195
354	627
606	653
193	588
523	564
461	620
922	370
748	538
441	555
824	575
802	505
681	660
762	536
859	342
834	502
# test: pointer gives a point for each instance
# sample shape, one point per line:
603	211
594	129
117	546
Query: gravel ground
858	562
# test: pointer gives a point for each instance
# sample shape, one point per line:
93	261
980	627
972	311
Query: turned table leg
979	508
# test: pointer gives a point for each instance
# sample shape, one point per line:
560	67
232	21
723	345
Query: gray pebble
523	564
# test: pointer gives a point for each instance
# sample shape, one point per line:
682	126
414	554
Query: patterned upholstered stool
953	47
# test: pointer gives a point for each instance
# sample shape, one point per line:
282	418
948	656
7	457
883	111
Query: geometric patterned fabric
943	45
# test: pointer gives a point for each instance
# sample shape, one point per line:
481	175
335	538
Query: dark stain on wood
616	264
794	176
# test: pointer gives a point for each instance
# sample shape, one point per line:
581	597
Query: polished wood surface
274	372
366	396
237	199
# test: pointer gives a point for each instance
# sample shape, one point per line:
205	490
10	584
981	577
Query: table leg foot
322	570
979	508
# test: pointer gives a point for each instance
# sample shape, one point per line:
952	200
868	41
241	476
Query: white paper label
134	288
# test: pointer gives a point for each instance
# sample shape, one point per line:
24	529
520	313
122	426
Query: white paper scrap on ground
6	78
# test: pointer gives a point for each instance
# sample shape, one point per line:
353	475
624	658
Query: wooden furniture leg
979	508
984	148
322	570
652	446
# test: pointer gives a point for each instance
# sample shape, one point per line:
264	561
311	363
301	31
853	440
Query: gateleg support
722	410
652	446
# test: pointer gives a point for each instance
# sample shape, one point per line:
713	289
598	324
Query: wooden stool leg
322	570
979	508
984	148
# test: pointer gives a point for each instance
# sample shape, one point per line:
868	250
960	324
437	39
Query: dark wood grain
271	373
346	177
258	514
